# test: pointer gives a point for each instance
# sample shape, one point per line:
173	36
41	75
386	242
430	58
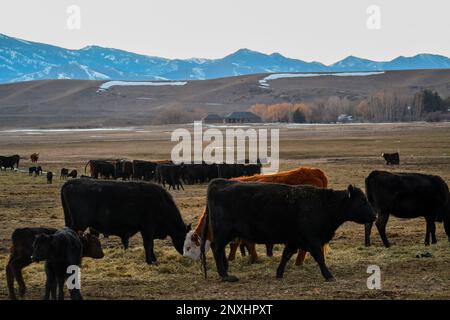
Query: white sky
313	30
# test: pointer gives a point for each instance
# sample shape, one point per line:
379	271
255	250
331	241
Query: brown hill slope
77	103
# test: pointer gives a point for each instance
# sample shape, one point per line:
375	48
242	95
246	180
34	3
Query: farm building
242	117
213	118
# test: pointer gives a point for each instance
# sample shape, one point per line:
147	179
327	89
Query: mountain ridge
23	60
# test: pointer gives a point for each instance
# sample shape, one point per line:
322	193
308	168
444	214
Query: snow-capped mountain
22	60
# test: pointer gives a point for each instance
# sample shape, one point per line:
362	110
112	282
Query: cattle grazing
299	176
407	195
64	173
49	177
100	169
37	171
9	162
73	174
143	170
123	209
34	157
298	216
22	249
170	174
391	158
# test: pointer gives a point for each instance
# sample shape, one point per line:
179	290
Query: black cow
143	170
391	158
36	170
59	251
101	168
9	162
64	173
126	170
123	209
22	249
407	195
170	174
298	216
49	177
73	174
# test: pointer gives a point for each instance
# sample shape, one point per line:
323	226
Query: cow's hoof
279	276
367	244
22	291
230	279
332	279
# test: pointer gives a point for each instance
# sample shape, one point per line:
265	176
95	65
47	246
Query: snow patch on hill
109	84
264	82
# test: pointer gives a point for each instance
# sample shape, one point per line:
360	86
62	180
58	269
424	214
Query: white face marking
191	249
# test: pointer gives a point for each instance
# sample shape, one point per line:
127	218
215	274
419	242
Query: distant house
241	117
344	118
213	118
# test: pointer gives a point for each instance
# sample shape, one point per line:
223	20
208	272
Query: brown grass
346	153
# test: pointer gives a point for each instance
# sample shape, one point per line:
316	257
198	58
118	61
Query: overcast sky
315	30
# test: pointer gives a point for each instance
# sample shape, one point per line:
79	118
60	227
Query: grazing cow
391	158
407	195
170	174
298	216
143	170
34	157
73	174
36	170
9	162
299	176
101	168
59	251
49	177
64	173
123	209
22	249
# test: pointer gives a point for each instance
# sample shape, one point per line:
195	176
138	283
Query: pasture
346	153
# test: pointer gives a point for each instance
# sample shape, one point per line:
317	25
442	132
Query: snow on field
264	82
109	84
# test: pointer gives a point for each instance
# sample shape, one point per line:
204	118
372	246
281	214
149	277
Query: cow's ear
350	190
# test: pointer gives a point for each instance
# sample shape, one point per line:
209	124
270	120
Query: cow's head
191	248
355	206
91	246
43	246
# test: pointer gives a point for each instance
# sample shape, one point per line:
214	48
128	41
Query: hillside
80	103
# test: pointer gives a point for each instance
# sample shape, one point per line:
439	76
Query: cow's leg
300	257
233	248
269	250
430	231
75	294
242	246
125	242
218	249
316	252
10	278
61	279
251	247
147	237
50	284
367	232
381	226
288	252
18	266
181	185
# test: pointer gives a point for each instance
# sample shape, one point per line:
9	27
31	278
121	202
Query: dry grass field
347	153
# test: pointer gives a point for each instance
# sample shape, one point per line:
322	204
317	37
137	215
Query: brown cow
299	176
34	157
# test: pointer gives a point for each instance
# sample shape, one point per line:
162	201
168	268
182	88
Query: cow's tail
203	239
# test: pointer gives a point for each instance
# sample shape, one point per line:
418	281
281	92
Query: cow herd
243	208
